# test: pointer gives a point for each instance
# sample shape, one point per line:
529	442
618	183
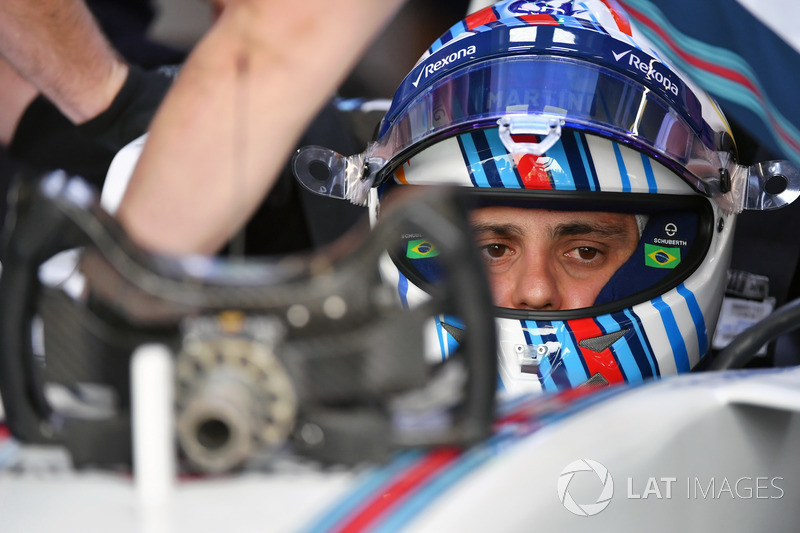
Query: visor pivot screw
541	350
720	225
369	170
724	180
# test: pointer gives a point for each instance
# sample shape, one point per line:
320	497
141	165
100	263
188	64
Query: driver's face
551	260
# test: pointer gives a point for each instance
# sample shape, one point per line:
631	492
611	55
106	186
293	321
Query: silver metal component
328	173
298	315
771	185
234	399
510	125
334	307
532	351
531	356
312	434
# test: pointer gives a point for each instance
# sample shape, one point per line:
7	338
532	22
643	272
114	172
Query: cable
744	347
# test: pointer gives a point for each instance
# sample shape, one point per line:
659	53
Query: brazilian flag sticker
661	256
420	249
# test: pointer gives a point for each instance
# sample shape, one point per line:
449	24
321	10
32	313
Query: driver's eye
586	253
495	251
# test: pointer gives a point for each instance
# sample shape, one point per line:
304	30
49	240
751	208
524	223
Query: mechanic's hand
129	115
46	139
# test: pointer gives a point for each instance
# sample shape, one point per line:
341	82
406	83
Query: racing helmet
565	107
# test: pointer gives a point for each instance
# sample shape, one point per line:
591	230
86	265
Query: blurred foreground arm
67	99
57	47
228	125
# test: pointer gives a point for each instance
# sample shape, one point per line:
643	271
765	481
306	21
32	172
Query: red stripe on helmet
533	173
479	18
620	17
602	363
542	20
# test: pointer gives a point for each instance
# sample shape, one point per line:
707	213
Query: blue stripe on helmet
595	23
500	385
502	161
651	178
503	19
622	352
438	43
676	341
577	372
484	154
576	159
697	316
546	376
643	343
633	343
451	343
588	162
470	154
623	172
402	289
570	22
545	366
441	335
562	366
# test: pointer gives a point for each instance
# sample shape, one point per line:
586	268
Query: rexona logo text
647	68
434	67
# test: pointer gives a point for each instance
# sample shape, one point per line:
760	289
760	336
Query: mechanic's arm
58	48
67	100
16	94
247	92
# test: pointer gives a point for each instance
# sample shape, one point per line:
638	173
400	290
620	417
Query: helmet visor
575	92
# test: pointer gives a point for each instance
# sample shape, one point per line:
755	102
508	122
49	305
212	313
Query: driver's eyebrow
500	230
569	229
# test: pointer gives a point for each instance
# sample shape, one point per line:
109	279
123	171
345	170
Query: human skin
538	259
57	48
229	123
16	94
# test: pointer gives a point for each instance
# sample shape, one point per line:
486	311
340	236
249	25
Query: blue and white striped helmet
565	105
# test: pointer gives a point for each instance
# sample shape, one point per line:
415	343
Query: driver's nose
532	283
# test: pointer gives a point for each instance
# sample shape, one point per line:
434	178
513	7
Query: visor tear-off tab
771	185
